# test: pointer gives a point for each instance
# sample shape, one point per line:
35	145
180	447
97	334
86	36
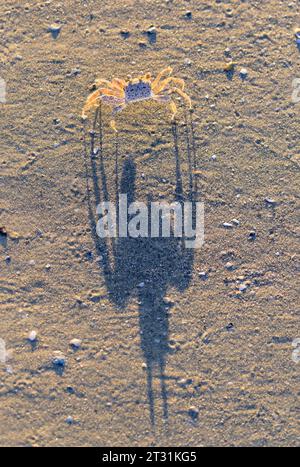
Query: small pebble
48	266
227	253
203	275
54	29
243	73
229	266
229	327
76	343
182	382
235	221
229	66
31	262
252	235
141	285
193	413
188	14
187	62
69	420
227	225
168	302
151	30
242	288
213	157
125	34
58	359
32	336
75	72
270	201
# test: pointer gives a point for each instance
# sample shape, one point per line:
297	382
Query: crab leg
118	84
183	95
87	107
104	92
176	81
173	109
96	95
167	98
90	102
93	96
116	109
109	97
165	72
112	92
101	82
161	98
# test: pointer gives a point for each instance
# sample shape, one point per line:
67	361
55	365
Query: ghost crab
118	93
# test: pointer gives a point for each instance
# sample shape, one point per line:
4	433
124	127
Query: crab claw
113	125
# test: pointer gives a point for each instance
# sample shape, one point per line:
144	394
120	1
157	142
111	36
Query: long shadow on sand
141	267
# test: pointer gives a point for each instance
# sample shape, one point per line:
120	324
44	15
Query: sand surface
181	360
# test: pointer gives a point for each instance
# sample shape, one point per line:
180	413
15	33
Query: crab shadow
141	267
